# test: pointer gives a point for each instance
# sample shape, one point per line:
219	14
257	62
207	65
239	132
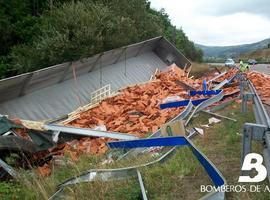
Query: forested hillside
261	55
36	33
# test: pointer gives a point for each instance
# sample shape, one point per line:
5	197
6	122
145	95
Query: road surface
263	68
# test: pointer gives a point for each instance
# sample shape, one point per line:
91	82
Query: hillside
259	55
232	51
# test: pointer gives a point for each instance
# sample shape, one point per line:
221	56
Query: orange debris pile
135	110
85	145
262	84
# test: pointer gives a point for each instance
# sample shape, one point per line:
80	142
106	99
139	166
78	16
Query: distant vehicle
252	62
229	63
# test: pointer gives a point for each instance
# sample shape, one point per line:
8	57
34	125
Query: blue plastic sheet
181	103
185	102
204	92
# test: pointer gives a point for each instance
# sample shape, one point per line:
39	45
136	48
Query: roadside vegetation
38	34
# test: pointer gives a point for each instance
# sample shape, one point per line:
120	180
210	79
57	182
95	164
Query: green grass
179	177
159	179
176	178
223	146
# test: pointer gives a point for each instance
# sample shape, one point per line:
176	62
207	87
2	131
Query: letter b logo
257	165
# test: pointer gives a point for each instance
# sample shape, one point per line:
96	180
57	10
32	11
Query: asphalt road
263	68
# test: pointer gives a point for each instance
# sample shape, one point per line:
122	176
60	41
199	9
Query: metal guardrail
185	113
68	130
123	173
259	131
205	104
109	174
128	172
261	114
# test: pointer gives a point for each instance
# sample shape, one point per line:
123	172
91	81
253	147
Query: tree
37	34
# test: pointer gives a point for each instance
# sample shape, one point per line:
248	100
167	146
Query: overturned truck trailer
58	90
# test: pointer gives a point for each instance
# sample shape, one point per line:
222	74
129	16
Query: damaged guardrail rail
259	131
205	104
185	113
86	132
123	173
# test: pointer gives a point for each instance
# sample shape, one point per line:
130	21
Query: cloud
218	23
238	28
259	7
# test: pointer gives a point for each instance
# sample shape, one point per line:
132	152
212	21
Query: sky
219	22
